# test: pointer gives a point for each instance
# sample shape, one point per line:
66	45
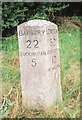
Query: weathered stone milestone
39	64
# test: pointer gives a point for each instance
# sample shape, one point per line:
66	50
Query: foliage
14	13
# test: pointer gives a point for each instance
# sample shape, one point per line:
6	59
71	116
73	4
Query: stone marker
39	64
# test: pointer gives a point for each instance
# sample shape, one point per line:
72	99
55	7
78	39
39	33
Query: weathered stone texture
39	63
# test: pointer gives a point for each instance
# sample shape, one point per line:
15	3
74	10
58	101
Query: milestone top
37	22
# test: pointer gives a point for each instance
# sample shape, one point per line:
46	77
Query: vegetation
14	13
69	39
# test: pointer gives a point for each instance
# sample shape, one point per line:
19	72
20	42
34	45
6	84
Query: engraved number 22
29	43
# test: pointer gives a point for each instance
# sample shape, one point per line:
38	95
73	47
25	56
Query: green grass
69	41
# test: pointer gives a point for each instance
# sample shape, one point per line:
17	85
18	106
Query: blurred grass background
69	41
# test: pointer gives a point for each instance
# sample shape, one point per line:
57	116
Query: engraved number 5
33	63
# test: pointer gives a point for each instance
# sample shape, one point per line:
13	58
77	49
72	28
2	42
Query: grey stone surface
39	64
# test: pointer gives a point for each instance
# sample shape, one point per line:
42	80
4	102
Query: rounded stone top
37	22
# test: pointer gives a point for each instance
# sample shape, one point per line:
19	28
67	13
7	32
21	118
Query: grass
69	41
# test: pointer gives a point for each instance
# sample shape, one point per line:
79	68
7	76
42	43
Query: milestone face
39	63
